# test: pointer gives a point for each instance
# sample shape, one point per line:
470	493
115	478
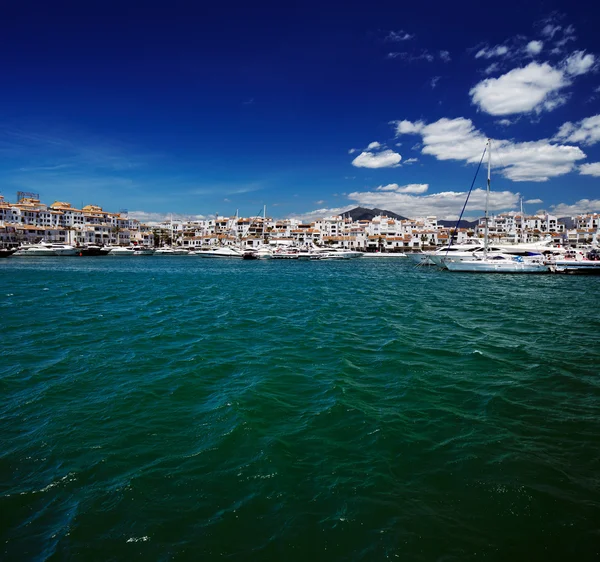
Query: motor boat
219	252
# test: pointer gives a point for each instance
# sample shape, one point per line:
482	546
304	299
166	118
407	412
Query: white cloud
373	145
445	56
320	202
385	159
494	67
592	169
353	150
410	161
555	32
582	206
534	47
398	36
389	187
407	127
578	63
550	30
533	201
412	56
444	205
488	53
586	131
532	88
410	188
433	82
504	122
568	34
457	139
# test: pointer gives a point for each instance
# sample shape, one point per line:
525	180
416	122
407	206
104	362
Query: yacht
93	250
142	251
46	249
219	252
6	252
169	251
64	249
35	250
495	262
536	249
264	252
499	263
285	253
424	257
385	255
340	253
122	251
576	262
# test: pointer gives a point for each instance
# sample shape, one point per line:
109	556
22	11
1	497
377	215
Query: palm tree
116	230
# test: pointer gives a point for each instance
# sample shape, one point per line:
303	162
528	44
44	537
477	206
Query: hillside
362	213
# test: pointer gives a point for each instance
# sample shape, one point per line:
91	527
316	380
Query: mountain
461	224
364	214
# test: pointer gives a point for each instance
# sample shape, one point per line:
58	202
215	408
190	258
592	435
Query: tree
116	231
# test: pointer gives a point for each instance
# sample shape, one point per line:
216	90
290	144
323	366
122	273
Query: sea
177	408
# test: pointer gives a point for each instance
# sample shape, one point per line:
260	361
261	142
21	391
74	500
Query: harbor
283	282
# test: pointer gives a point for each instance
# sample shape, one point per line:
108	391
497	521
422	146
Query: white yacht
169	251
499	263
46	249
495	262
577	262
286	253
427	257
264	252
308	255
181	251
452	254
35	250
385	255
340	253
164	251
219	252
122	251
142	251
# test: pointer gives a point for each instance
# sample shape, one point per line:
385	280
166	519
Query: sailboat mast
263	222
487	200
522	223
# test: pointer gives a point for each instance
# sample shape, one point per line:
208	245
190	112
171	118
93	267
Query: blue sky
193	109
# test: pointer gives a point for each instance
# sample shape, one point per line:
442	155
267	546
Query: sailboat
495	262
263	251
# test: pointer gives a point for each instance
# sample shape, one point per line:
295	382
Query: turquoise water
174	408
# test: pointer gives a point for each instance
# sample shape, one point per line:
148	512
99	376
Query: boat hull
481	266
219	253
577	267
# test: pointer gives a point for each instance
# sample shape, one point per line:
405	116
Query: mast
522	223
263	224
487	200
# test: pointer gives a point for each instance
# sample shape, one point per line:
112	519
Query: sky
191	109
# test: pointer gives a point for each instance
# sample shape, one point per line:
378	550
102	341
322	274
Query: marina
542	258
283	282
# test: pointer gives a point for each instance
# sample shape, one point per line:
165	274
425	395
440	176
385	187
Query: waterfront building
30	220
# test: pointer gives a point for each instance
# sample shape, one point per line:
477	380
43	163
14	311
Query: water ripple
182	409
